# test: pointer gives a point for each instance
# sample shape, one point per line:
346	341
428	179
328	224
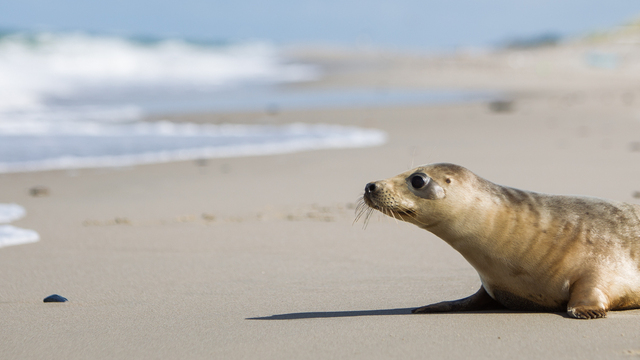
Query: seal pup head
423	196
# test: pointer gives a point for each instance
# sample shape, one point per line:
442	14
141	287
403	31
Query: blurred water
83	145
70	100
89	74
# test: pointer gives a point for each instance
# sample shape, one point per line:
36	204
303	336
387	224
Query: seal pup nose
370	187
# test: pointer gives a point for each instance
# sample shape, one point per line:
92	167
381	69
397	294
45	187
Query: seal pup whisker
367	217
391	213
532	251
413	155
403	210
363	209
361	206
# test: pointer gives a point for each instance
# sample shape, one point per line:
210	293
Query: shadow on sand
383	312
335	314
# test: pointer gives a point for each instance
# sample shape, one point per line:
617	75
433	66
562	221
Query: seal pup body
532	251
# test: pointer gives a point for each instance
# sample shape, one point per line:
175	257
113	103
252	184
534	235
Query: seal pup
532	251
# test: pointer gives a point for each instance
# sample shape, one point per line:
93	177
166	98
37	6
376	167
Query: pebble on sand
55	298
38	191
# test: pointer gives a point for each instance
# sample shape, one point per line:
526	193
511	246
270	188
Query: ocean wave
37	69
41	146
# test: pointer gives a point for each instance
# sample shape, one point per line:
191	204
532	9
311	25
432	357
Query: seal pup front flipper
478	301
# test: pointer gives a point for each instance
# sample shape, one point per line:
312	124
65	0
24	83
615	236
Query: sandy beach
258	257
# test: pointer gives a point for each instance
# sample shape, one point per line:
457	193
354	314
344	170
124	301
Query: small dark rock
201	162
55	298
501	106
38	191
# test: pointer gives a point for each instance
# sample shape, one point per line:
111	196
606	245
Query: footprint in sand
11	235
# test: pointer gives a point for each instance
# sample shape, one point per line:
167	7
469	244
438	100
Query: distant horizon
155	38
405	24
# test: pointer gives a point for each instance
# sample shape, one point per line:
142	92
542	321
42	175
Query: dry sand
257	257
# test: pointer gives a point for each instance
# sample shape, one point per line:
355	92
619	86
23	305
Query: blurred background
75	75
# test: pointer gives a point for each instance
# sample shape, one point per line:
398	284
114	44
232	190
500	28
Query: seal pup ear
425	187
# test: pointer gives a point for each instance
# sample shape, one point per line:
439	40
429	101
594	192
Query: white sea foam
11	235
11	212
44	146
36	68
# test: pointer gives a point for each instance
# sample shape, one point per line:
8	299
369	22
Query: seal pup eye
418	181
425	187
